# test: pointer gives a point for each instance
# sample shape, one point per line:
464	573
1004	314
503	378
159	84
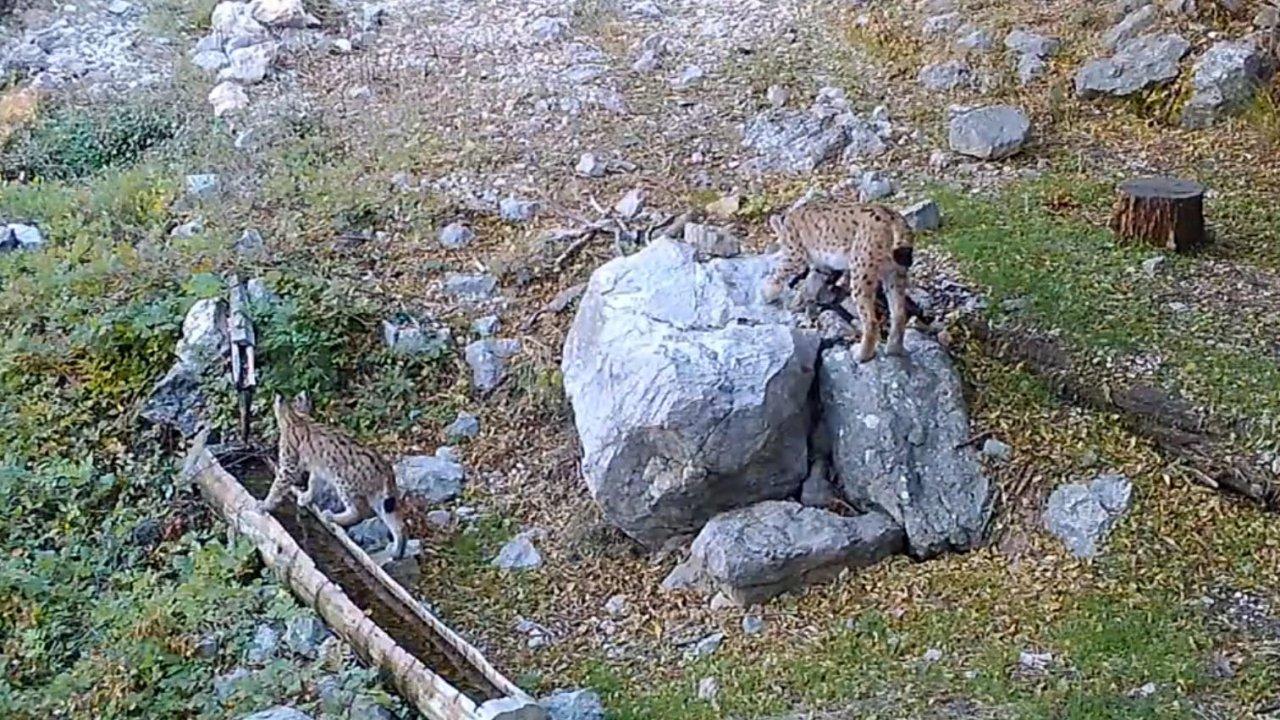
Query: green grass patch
71	141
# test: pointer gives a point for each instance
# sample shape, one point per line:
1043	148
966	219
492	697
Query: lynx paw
865	355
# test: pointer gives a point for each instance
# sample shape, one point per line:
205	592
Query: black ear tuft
903	256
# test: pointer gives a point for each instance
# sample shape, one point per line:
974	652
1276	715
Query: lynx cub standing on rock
870	243
363	479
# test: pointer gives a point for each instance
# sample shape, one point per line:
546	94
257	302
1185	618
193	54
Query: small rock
616	605
281	13
690	76
932	655
1024	42
513	209
202	185
518	554
573	705
943	24
210	60
711	241
487	359
486	326
817	490
989	133
509	708
371	16
945	76
1146	691
726	207
721	602
685	576
997	450
249	65
470	287
752	624
280	712
17	236
1082	515
224	686
1133	24
708	689
1138	64
590	166
464	427
249	241
360	92
1226	79
924	216
406	335
430	477
440	519
227	97
304	634
631	204
646	10
119	7
1268	17
265	642
1152	265
372	534
777	95
1034	661
874	185
707	645
456	235
342	46
975	39
547	29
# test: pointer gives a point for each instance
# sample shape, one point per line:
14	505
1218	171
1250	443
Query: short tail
903	243
395	523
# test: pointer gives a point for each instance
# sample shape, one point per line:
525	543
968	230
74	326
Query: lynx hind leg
351	510
863	285
387	508
895	286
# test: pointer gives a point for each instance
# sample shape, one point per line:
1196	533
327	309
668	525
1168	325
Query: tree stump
1166	212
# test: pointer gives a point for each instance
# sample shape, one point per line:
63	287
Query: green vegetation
72	141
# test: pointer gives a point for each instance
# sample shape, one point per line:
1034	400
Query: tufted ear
302	403
776	223
277	404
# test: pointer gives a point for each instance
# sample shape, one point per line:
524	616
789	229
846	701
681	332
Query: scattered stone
1131	26
406	335
249	65
989	133
645	10
707	645
631	204
945	76
1082	515
487	359
752	624
371	534
573	705
1032	50
513	209
874	185
975	39
924	216
227	97
17	236
304	634
1146	691
590	166
710	241
616	605
342	46
470	287
249	241
281	13
1034	662
440	519
508	708
266	640
371	16
932	655
864	143
1151	266
119	7
721	602
548	29
433	478
1139	63
464	427
456	235
663	341
899	428
518	554
997	450
708	689
793	141
232	21
944	24
210	60
224	686
685	576
758	552
1268	17
777	95
1226	79
689	77
726	207
202	185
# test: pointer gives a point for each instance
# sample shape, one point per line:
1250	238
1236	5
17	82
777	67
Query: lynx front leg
286	471
791	263
864	285
895	286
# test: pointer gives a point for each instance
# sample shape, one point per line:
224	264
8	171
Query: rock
210	60
1034	662
945	76
721	602
266	640
689	394
685	576
486	326
487	359
371	534
518	554
17	236
232	21
752	624
1082	515
793	141
440	519
707	645
202	185
464	427
1268	17
513	209
996	450
631	204
710	241
1139	63
304	634
898	427
590	166
1024	42
874	185
573	705
994	132
1131	26
817	490
119	7
1151	266
708	689
863	143
510	709
281	13
932	655
227	97
249	241
177	401
758	552
726	207
371	16
1226	78
975	39
924	216
406	335
430	477
689	77
456	235
225	685
548	29
645	10
249	65
777	95
616	605
943	24
470	287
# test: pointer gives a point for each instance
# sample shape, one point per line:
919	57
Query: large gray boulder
793	141
989	133
177	400
1227	76
761	551
689	394
1140	63
898	430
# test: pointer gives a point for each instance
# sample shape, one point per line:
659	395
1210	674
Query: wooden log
1165	212
431	694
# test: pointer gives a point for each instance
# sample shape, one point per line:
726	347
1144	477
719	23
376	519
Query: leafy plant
72	142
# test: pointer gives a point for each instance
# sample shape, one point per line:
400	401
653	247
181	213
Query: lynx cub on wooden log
871	244
363	479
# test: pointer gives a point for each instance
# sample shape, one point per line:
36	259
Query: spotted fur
870	244
363	479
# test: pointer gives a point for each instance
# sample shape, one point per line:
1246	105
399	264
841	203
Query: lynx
871	244
362	478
